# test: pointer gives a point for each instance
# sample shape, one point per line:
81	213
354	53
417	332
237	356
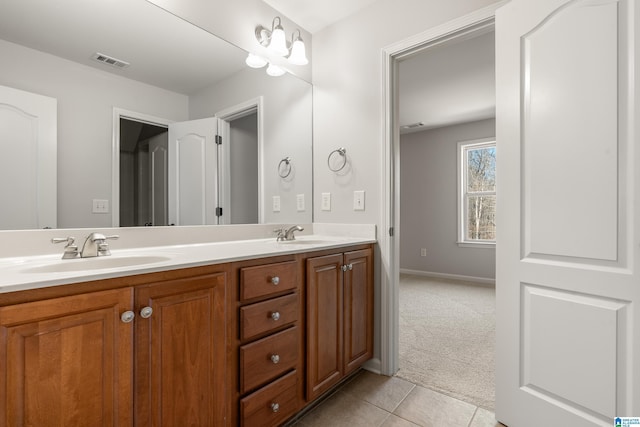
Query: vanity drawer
272	404
261	317
267	358
267	279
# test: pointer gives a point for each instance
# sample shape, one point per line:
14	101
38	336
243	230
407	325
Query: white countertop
21	273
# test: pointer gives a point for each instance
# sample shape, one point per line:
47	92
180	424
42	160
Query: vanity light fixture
298	55
274	70
255	61
274	39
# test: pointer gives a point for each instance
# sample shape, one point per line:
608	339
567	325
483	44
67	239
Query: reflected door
28	142
568	342
193	180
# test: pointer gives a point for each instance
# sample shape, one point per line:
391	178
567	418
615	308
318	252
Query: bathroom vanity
192	337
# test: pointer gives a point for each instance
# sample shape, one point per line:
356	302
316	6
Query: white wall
236	21
243	170
287	132
428	203
86	98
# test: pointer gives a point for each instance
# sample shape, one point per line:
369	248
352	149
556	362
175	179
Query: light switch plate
276	203
100	206
358	200
325	204
300	202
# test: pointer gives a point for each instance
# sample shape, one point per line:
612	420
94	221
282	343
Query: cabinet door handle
127	316
146	312
344	268
275	280
350	267
275	359
275	407
275	315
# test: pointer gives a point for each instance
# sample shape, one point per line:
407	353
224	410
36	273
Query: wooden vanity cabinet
67	361
73	360
339	317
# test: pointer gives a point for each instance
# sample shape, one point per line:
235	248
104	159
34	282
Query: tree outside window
477	160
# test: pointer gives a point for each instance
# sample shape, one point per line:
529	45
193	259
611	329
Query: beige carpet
447	335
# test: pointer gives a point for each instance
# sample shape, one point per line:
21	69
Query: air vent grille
413	125
109	60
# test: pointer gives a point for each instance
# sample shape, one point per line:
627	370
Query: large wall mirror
117	66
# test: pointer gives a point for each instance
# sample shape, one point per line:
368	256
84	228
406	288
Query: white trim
226	116
478	280
121	113
477	245
478	21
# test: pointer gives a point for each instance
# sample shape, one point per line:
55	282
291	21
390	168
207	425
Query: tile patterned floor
371	400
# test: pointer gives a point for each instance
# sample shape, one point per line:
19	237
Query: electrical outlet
100	206
423	252
276	203
326	202
300	202
358	200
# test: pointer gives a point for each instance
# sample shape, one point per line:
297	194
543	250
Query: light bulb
255	61
298	53
278	44
274	70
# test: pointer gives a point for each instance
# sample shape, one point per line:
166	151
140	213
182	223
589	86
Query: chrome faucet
96	245
70	250
282	234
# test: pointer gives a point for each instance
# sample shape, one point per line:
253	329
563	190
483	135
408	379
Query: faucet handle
70	250
103	247
112	237
280	234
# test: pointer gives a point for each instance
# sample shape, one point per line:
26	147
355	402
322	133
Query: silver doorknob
350	267
127	316
146	312
275	315
275	407
275	280
344	268
275	359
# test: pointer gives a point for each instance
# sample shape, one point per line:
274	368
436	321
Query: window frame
462	199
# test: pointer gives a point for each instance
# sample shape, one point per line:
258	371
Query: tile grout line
473	416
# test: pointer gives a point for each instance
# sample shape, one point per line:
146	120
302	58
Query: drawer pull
275	359
146	312
275	407
275	280
275	315
127	316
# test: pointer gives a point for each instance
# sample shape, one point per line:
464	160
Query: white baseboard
373	365
481	280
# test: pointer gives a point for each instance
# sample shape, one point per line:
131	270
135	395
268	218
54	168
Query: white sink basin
97	263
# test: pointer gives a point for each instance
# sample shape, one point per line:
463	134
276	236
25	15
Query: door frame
469	25
225	117
121	113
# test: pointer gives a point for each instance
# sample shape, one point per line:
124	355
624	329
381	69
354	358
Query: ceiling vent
105	59
413	126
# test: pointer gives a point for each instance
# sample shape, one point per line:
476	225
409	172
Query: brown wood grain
256	409
256	319
256	281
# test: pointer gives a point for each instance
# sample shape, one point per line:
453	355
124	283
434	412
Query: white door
158	176
193	182
568	329
28	168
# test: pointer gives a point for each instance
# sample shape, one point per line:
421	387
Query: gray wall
86	98
428	203
243	155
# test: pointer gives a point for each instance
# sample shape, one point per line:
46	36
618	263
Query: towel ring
287	169
341	151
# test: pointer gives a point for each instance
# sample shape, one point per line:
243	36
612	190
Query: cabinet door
181	352
358	309
67	361
324	324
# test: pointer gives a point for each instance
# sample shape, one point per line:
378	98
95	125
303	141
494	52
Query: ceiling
314	15
135	31
449	84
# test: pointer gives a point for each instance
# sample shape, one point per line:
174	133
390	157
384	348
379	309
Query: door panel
28	141
567	248
193	181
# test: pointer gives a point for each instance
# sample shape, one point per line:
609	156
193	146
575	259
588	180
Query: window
477	193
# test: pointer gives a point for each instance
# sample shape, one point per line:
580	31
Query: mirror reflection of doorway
143	173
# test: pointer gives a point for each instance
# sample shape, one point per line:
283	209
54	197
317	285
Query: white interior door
28	164
568	329
193	182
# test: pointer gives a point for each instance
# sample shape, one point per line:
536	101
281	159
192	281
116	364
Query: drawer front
265	359
267	279
261	317
272	404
